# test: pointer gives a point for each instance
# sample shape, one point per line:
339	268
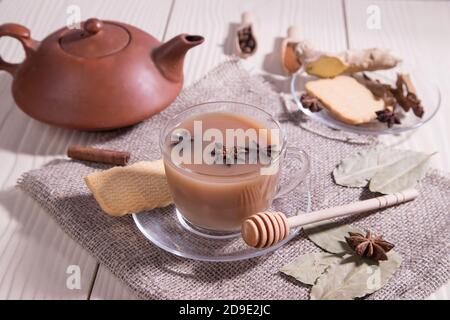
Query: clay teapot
103	76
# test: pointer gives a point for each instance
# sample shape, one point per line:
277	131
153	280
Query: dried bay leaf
330	236
401	175
354	278
396	170
308	267
358	169
342	275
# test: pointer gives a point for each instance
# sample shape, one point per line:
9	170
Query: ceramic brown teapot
103	76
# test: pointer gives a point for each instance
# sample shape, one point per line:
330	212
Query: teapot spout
169	57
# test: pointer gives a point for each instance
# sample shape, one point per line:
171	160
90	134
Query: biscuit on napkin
346	99
123	190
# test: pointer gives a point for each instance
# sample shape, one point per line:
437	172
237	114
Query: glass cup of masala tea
223	162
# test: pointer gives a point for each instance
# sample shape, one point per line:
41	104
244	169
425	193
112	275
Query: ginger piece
329	65
371	59
326	67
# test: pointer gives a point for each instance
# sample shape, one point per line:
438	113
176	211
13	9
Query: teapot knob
93	25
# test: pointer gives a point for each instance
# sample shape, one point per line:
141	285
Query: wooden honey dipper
265	229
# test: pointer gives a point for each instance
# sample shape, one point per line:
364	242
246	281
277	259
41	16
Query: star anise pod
264	153
311	103
388	116
269	149
227	155
369	246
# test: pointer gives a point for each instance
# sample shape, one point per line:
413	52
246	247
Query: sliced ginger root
329	65
326	67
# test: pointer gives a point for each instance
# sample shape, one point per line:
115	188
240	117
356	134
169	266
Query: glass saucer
427	91
168	230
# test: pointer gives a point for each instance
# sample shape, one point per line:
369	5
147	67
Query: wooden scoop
289	59
265	229
246	42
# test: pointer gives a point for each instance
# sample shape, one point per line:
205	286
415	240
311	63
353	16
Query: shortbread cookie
346	99
123	190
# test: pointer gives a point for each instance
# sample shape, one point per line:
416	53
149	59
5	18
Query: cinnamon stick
406	79
78	152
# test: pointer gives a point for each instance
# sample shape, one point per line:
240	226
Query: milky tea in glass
225	187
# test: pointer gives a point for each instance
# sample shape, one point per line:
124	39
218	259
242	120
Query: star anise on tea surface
310	102
228	155
388	116
369	246
265	153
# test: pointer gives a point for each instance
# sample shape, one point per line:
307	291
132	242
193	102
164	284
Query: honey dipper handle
353	208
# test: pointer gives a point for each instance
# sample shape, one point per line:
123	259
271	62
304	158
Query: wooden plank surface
418	31
34	252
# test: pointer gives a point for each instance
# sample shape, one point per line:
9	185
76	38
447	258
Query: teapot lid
96	39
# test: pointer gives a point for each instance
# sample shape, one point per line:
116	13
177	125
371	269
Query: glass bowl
427	91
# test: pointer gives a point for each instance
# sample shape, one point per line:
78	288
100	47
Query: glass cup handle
297	177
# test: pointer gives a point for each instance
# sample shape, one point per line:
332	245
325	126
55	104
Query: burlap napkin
420	230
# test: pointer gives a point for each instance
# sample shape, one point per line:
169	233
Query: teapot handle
22	34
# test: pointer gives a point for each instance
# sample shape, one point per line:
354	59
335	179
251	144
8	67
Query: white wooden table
35	253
